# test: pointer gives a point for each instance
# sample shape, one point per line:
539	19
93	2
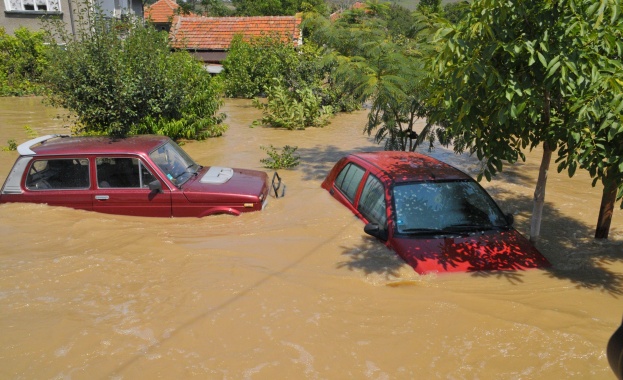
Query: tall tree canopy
383	64
516	74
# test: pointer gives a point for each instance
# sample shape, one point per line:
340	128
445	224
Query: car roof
64	145
409	166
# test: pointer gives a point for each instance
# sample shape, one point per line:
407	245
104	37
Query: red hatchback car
437	218
139	175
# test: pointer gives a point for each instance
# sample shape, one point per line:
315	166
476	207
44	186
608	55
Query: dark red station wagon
139	175
437	218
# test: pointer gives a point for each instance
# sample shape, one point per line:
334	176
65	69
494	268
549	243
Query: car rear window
71	173
348	180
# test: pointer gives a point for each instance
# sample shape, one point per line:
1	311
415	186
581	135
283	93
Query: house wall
12	18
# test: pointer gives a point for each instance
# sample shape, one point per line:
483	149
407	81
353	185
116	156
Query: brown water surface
297	291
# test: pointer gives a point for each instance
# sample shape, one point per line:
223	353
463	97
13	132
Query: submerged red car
139	175
437	218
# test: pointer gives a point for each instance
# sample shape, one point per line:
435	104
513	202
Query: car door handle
102	197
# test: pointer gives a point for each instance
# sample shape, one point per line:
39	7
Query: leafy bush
286	159
119	77
11	145
252	65
292	110
22	62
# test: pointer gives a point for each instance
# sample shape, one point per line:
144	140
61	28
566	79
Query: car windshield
452	206
174	163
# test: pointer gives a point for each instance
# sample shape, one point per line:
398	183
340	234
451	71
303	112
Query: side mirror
155	186
375	230
510	219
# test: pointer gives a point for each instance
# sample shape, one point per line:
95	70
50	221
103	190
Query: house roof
162	11
216	33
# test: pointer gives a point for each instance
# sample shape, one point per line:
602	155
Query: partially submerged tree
510	79
384	67
119	77
594	86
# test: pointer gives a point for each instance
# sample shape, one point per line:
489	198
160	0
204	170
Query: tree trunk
608	198
539	194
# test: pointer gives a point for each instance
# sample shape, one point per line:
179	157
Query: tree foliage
119	77
513	75
251	66
211	8
297	110
296	82
22	62
277	7
385	68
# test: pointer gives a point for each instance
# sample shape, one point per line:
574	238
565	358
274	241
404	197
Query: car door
122	187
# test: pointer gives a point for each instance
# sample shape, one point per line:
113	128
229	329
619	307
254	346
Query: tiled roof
162	11
216	33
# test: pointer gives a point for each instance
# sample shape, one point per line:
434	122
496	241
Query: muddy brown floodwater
297	291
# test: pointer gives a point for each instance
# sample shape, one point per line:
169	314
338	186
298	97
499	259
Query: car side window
348	180
122	172
372	203
69	173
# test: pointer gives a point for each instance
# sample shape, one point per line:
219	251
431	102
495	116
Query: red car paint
488	248
80	172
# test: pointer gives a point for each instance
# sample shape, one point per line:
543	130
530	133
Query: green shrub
286	159
11	145
22	62
120	77
292	110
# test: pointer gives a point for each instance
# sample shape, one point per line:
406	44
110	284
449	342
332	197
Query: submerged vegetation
22	62
284	159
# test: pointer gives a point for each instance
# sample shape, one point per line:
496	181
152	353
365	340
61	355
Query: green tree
277	7
22	62
454	12
593	83
251	66
119	77
429	6
385	70
507	79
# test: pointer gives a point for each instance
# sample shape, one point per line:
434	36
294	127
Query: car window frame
356	189
141	165
44	180
368	213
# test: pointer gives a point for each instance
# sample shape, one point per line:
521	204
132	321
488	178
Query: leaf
542	59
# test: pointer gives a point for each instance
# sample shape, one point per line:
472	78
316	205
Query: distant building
28	13
161	13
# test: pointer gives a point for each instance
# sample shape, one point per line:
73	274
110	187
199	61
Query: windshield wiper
428	231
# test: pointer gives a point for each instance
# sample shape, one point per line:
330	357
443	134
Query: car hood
222	185
493	250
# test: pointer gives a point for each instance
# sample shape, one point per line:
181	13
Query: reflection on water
298	290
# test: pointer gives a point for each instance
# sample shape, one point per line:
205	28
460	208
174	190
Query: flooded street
297	291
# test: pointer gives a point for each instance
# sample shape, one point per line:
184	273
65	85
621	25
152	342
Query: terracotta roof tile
216	33
162	11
